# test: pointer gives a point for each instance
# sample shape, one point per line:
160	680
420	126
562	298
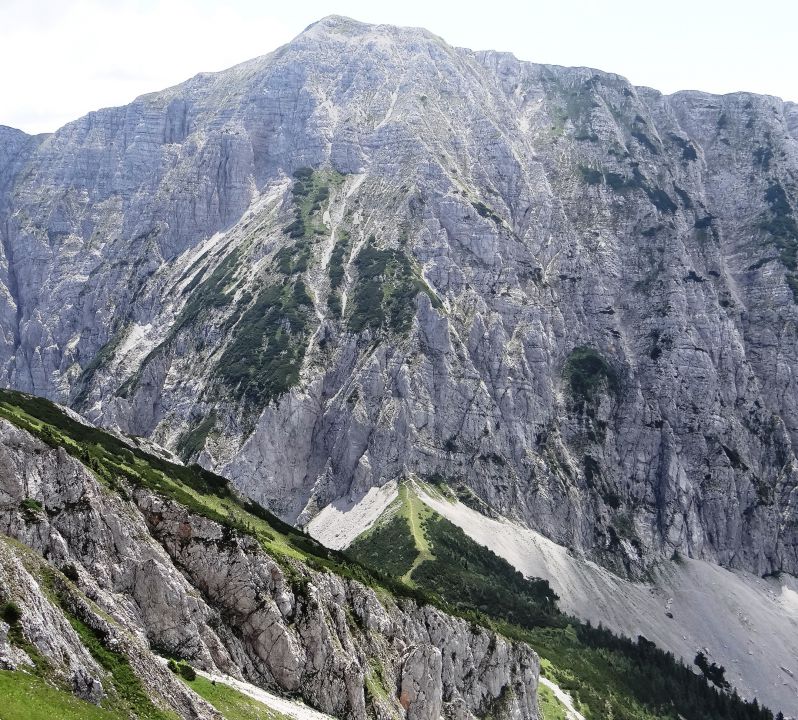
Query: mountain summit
369	257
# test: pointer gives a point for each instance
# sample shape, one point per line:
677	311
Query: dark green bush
187	671
32	506
587	374
70	571
269	341
386	287
591	176
11	613
484	211
712	672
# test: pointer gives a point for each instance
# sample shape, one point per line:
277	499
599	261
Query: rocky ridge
144	573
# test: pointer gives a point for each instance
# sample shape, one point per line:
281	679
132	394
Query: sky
63	58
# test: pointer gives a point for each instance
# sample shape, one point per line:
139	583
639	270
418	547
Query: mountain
370	256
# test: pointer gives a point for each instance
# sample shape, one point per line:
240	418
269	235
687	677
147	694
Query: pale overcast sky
62	58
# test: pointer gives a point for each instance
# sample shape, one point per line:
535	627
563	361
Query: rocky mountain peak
369	255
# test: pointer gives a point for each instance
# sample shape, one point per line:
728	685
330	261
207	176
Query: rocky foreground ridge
92	560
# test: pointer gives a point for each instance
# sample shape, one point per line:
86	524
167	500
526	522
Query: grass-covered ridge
549	706
128	693
437	556
607	676
116	463
119	465
231	703
28	697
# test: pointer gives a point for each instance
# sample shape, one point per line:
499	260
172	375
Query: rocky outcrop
574	296
421	683
150	575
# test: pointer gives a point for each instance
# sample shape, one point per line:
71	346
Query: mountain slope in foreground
111	556
423	533
114	559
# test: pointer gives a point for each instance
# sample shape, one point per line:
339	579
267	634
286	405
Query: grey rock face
591	289
150	574
421	683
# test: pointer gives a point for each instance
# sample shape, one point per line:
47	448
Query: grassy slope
606	676
550	707
113	460
416	513
124	693
28	697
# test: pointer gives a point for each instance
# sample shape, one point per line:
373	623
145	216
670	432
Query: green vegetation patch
231	703
397	544
263	359
591	176
616	677
574	104
376	683
486	212
191	443
213	293
31	508
10	613
782	228
28	697
550	707
588	374
386	287
417	514
688	149
310	193
388	546
131	697
621	183
469	576
336	269
440	558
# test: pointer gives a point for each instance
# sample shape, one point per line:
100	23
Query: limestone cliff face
575	296
149	575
